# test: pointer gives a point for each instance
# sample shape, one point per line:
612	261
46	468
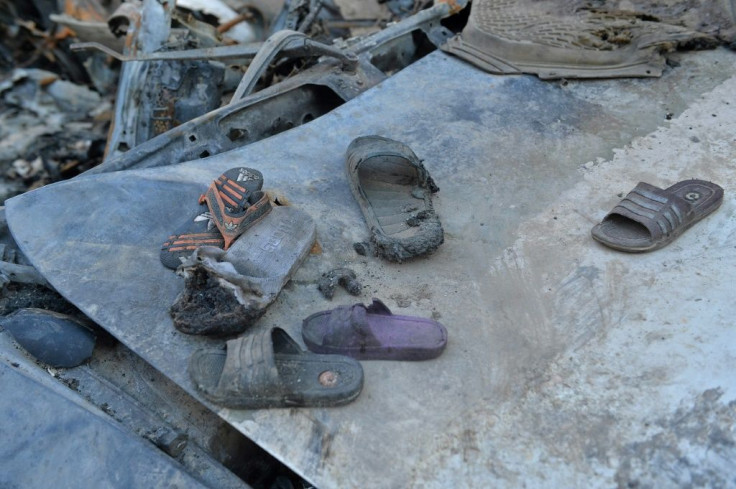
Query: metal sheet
47	437
567	363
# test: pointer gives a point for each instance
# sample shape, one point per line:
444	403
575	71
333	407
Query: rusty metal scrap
252	116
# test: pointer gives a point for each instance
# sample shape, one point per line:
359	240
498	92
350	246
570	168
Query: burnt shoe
394	191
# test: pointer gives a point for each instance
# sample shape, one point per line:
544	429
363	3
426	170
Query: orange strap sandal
233	209
236	187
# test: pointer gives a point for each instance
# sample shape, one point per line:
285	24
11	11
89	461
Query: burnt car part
312	17
277	43
298	99
142	87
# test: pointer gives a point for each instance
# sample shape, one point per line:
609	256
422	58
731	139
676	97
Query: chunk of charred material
344	277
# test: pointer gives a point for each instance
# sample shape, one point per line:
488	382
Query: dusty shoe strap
348	327
661	213
250	366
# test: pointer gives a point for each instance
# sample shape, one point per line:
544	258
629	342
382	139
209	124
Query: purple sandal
373	333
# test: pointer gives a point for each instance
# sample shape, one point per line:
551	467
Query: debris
363	248
30	41
76	440
25	169
168	440
24	274
582	39
241	32
45	95
343	277
209	305
310	89
51	128
400	8
227	291
55	339
90	31
146	26
364	18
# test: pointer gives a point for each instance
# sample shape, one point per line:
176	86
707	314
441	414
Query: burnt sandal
394	192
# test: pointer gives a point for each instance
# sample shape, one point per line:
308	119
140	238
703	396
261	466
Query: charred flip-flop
394	192
373	333
269	369
649	217
239	187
